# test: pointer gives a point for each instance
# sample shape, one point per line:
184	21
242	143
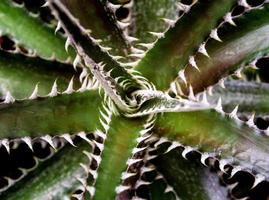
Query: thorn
76	61
83	74
235	170
204	100
34	94
218	108
210	90
9	98
250	122
53	91
67	43
185	8
58	27
157	34
214	35
83	87
113	7
233	113
193	63
228	18
49	140
173	146
244	4
169	22
147	45
46	4
191	94
221	83
258	179
70	89
126	175
187	150
182	76
91	190
28	142
202	49
5	143
83	136
238	73
68	138
132	161
131	39
121	188
123	25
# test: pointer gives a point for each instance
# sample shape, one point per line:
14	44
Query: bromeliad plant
165	112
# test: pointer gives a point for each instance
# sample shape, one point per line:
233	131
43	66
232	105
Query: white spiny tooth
214	35
141	182
112	6
83	87
100	134
221	83
97	158
46	4
137	51
169	22
238	73
58	26
123	25
28	142
193	62
145	169
218	108
233	114
228	18
54	91
187	150
5	143
151	157
77	60
34	94
126	175
181	75
106	118
159	176
82	181
105	49
68	138
136	150
147	45
235	170
116	57
185	8
91	190
131	161
222	165
129	64
83	74
122	188
173	87
100	146
204	157
244	3
250	122
137	55
9	98
258	179
131	39
67	43
93	173
70	88
204	100
85	167
253	64
96	41
157	34
210	90
83	136
202	49
89	156
105	125
49	140
173	146
161	141
168	189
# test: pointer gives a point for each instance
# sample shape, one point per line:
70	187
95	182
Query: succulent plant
134	99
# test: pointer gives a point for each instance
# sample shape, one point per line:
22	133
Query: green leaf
189	178
121	139
209	131
61	114
31	32
94	16
20	74
233	52
162	63
55	178
250	96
